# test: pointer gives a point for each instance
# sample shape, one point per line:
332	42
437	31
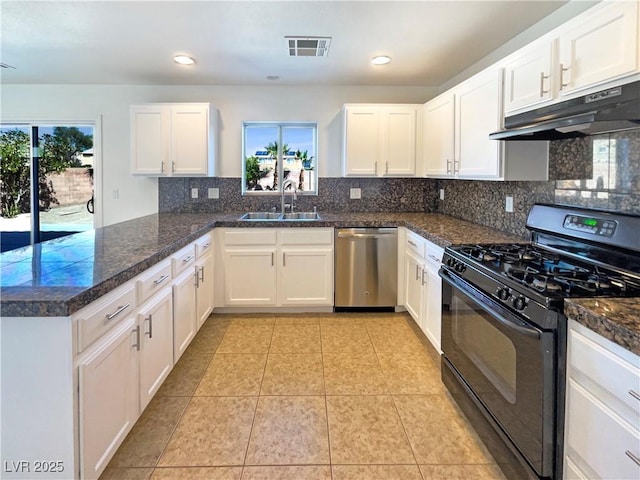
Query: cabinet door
438	136
361	141
155	319
413	286
204	292
528	78
399	140
305	276
478	113
601	47
190	140
432	307
250	276
184	312
150	127
108	397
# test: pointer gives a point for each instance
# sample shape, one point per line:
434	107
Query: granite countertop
58	277
617	319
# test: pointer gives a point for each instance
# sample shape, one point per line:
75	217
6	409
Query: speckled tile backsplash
378	195
612	181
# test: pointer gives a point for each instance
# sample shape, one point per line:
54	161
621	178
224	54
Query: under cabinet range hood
609	110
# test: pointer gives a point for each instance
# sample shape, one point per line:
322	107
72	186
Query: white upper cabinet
173	139
600	46
478	112
529	77
595	50
438	135
380	140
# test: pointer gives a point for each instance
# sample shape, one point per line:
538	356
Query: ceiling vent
308	46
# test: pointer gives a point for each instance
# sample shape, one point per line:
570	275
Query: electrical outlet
213	193
508	204
355	193
194	193
442	194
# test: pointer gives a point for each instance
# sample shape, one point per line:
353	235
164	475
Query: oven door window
491	351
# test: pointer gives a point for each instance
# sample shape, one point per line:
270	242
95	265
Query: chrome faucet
295	191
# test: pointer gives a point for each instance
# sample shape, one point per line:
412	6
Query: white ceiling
242	42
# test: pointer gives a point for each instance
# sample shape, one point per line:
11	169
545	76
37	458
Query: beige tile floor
304	397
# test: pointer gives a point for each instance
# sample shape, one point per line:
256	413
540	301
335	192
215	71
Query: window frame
280	126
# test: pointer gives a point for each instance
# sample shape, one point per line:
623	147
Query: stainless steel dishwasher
366	267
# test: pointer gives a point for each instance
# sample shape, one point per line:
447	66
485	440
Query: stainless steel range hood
609	110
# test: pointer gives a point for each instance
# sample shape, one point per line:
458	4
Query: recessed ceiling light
382	60
273	77
183	60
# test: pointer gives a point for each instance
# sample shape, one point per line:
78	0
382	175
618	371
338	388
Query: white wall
138	195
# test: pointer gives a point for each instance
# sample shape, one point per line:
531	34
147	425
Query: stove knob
504	293
451	262
460	267
519	303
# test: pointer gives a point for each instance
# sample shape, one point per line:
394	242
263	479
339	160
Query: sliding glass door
46	182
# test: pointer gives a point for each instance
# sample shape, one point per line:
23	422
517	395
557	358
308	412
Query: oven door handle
473	293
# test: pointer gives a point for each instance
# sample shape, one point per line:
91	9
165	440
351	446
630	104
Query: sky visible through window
297	138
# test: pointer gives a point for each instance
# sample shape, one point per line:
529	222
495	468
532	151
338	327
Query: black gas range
504	331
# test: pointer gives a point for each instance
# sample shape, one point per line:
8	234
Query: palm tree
272	151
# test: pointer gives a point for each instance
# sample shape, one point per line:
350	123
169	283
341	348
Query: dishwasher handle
376	234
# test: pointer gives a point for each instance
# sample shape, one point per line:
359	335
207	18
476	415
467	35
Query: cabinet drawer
606	374
152	280
99	317
415	244
261	236
183	259
433	254
204	245
306	236
598	438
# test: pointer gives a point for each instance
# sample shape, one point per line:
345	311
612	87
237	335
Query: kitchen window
277	154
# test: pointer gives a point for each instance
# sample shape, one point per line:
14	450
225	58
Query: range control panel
596	226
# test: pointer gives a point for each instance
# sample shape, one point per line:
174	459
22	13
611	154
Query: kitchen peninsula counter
58	277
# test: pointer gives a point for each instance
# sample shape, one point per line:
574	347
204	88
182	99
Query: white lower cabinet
278	267
108	396
184	312
204	289
602	424
155	320
423	286
306	276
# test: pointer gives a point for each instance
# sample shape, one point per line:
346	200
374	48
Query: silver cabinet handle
206	245
423	280
161	167
173	167
195	274
562	70
417	272
386	168
375	167
150	332
635	459
202	274
284	259
188	259
272	259
120	309
137	344
634	394
161	279
410	242
433	257
454	167
543	77
448	166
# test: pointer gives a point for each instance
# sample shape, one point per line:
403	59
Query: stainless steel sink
275	216
301	216
261	216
